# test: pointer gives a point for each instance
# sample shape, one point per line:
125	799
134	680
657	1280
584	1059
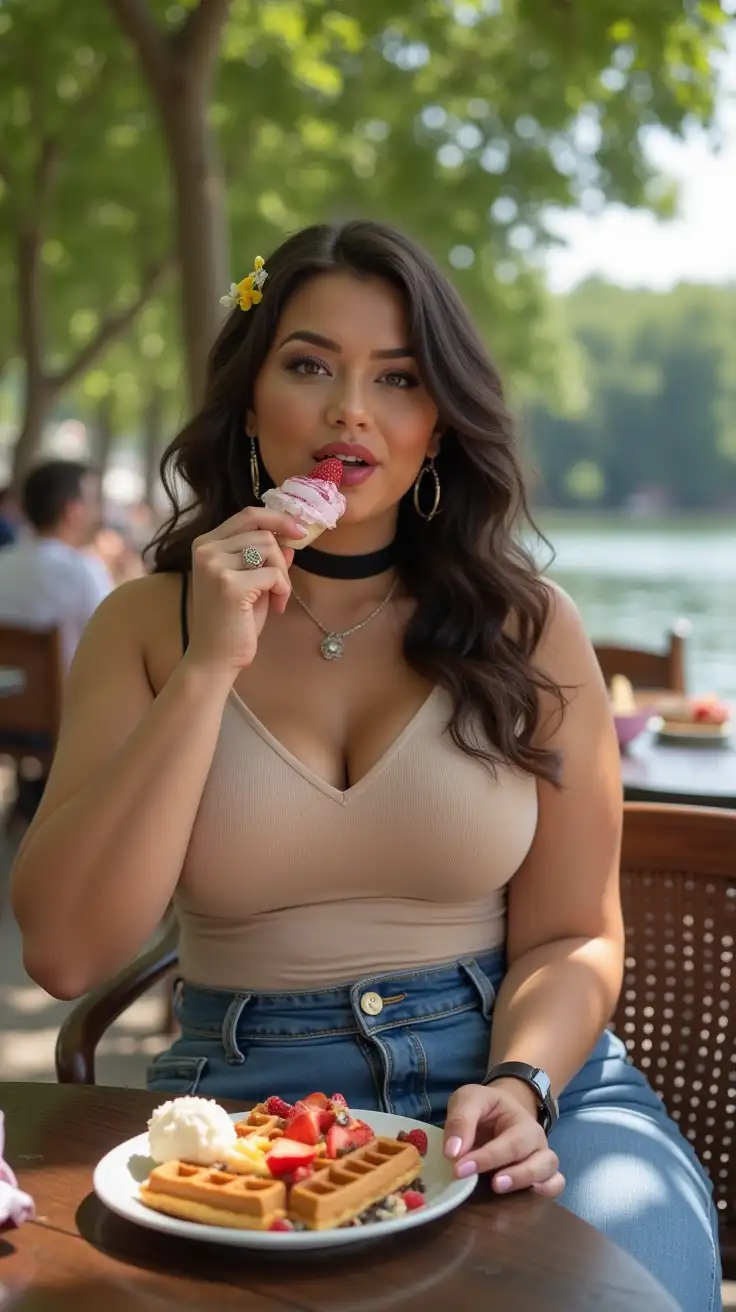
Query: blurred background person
50	579
11	520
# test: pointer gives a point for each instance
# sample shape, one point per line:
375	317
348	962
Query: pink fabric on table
15	1206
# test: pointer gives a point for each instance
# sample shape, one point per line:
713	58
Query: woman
371	857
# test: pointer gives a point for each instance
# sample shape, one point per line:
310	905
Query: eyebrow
316	339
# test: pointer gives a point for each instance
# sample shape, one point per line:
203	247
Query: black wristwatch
538	1080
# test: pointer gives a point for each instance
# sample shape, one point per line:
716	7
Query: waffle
213	1197
259	1122
345	1188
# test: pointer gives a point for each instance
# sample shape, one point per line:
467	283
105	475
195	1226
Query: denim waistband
368	1005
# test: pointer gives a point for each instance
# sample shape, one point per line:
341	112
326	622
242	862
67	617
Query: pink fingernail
453	1146
502	1183
467	1168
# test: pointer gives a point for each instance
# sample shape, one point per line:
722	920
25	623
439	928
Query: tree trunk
37	395
180	67
37	406
153	424
104	432
201	227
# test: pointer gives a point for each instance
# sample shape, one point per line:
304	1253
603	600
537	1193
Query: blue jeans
402	1043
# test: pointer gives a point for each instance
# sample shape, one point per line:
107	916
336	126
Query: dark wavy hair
481	605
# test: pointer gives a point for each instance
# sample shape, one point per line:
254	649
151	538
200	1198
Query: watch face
543	1083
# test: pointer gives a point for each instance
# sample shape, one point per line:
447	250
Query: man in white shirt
50	580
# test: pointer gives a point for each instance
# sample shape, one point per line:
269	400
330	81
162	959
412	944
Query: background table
696	776
523	1253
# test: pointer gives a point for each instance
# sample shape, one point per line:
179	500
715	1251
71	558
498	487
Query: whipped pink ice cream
316	501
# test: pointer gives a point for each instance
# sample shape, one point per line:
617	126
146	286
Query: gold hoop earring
427	469
255	473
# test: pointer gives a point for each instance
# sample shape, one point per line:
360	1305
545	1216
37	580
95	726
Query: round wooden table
523	1253
691	776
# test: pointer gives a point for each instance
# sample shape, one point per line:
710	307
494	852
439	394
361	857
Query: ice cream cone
315	502
313	531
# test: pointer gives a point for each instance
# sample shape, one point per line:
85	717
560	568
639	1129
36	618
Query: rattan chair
677	1012
648	671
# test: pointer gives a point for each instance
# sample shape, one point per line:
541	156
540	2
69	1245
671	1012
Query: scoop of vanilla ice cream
193	1130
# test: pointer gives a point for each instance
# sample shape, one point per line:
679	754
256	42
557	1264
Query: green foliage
462	120
660	371
82	167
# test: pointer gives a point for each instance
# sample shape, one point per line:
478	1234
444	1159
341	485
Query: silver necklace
332	645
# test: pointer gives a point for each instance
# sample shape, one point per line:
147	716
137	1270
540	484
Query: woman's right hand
230	602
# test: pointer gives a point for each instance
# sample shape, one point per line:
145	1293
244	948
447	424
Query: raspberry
277	1107
417	1137
339	1100
281	1223
330	471
413	1200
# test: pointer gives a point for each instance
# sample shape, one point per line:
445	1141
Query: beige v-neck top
292	884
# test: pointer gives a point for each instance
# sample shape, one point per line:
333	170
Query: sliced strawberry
342	1139
287	1155
413	1199
338	1100
316	1100
305	1126
281	1223
298	1176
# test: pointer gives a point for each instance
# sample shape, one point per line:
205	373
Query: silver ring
252	558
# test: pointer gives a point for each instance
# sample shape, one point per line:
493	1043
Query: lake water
632	582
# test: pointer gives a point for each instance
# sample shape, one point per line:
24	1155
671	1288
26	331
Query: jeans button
371	1004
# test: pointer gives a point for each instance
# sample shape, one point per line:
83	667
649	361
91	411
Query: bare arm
98	866
104	854
565	932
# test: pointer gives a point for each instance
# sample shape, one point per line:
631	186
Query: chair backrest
647	670
30	712
677	1010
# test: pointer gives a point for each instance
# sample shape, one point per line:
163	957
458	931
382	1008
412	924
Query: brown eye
306	366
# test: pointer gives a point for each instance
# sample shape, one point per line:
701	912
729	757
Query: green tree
660	372
462	121
79	236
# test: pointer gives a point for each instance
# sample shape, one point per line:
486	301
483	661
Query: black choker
345	567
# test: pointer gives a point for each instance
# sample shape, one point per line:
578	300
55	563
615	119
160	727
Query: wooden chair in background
655	671
677	1010
30	694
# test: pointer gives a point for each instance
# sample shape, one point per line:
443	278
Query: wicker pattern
677	1011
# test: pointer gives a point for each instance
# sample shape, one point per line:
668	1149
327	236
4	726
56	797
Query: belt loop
482	983
233	1053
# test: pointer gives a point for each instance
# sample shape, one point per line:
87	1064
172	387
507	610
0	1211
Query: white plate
118	1175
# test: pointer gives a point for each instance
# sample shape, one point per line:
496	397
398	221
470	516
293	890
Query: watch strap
537	1079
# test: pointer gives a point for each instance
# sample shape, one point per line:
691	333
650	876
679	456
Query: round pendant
332	647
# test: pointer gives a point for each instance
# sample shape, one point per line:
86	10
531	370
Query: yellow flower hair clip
250	290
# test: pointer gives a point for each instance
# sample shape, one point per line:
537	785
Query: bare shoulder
142	618
564	647
563	641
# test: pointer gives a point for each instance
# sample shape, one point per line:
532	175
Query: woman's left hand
495	1129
